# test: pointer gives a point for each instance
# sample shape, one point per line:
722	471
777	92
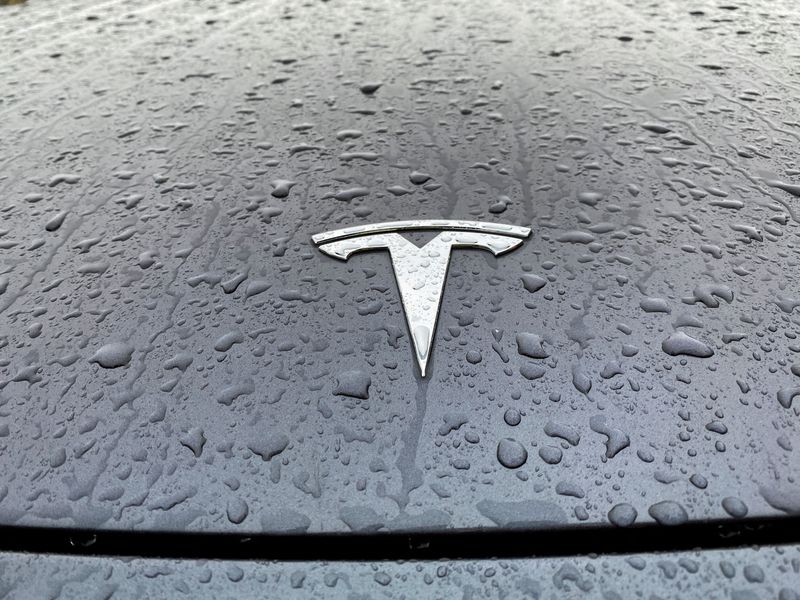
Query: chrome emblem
421	271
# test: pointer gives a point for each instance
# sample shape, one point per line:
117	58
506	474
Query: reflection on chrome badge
420	271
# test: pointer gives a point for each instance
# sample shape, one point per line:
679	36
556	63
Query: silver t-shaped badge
420	271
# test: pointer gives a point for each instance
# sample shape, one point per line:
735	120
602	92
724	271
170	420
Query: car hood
179	354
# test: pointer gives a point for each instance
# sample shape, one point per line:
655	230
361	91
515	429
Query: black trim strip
471	544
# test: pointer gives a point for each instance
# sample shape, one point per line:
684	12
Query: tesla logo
421	271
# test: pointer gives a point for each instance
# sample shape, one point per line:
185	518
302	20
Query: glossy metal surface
420	271
177	355
422	225
746	574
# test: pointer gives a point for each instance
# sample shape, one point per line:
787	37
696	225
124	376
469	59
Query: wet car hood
177	354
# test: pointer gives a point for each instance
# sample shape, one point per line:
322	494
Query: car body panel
178	355
744	573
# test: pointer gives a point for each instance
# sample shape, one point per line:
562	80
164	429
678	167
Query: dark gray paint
652	151
746	574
